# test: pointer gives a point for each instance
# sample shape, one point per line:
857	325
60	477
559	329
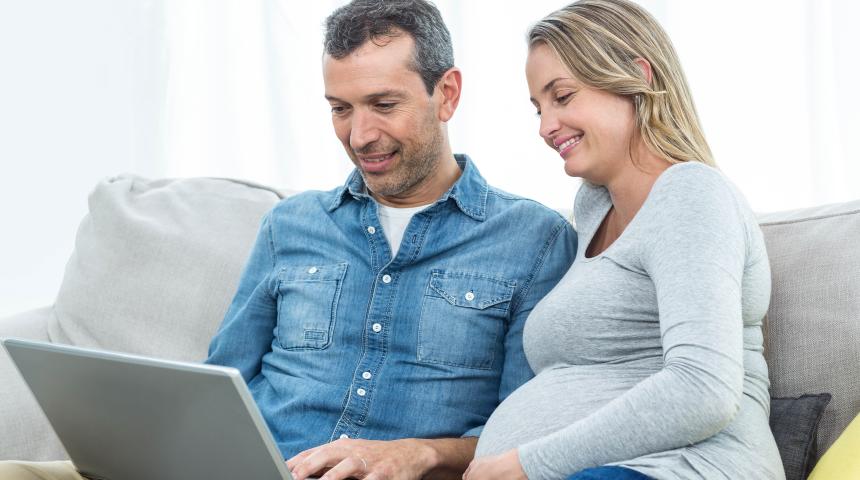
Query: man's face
384	117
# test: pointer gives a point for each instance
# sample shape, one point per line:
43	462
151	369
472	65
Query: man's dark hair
353	24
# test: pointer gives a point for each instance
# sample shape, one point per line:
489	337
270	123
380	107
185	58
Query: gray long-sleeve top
649	355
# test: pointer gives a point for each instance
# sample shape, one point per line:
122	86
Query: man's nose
364	130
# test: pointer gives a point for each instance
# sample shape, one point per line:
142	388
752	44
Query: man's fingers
315	462
352	466
291	463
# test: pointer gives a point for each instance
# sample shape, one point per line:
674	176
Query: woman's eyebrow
548	86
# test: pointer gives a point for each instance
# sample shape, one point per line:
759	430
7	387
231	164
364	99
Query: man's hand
406	459
500	467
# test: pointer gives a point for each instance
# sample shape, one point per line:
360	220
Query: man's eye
337	109
385	106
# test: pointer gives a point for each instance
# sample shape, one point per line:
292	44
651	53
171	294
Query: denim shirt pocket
463	318
307	305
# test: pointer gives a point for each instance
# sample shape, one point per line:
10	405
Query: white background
93	88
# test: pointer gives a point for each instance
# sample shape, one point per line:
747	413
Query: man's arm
552	264
451	457
552	261
246	332
407	459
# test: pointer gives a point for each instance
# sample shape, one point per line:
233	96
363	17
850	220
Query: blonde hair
599	41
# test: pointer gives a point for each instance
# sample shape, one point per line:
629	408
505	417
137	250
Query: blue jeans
608	473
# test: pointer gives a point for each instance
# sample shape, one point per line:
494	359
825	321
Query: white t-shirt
394	222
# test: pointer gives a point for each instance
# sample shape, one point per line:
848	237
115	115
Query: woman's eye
564	98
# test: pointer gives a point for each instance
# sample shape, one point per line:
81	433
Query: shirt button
470	296
343	435
366	375
377	327
313	270
386	279
361	392
371	230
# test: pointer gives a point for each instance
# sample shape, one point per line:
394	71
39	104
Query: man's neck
428	191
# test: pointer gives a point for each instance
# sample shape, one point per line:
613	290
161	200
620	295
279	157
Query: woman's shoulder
694	197
694	185
693	177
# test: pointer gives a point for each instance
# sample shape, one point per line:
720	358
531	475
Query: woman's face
590	129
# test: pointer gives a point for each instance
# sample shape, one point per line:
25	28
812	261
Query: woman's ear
646	69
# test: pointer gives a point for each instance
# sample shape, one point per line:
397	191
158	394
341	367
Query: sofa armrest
32	325
27	435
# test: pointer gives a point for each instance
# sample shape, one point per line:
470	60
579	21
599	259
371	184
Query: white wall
70	112
93	88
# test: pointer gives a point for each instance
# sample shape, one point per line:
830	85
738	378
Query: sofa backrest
812	329
156	263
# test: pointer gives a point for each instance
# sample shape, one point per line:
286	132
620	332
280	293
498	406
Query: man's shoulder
310	202
500	202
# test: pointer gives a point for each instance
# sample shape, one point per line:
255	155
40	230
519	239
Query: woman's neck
631	186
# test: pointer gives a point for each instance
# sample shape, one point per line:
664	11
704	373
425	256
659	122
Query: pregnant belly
555	398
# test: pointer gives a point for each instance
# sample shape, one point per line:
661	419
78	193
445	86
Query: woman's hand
500	467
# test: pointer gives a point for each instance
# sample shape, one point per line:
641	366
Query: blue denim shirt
334	337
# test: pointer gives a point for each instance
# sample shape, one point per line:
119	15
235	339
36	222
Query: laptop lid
124	417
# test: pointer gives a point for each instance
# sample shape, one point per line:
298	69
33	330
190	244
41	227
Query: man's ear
449	87
646	69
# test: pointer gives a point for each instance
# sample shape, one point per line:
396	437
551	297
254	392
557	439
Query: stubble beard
418	164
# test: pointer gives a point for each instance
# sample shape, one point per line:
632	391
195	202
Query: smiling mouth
377	163
376	158
570	144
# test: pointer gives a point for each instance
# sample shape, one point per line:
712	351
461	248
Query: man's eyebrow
385	93
548	86
373	96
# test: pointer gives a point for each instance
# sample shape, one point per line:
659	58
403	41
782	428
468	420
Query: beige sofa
156	264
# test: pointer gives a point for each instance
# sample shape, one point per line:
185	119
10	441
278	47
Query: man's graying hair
353	24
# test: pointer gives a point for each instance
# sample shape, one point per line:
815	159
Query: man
379	324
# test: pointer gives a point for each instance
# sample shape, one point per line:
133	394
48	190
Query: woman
648	353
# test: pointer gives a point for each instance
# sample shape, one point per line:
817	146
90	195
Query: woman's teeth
572	141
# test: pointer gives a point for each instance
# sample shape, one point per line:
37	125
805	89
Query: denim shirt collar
469	192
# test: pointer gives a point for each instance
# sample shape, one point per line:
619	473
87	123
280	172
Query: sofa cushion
812	329
156	263
841	461
794	422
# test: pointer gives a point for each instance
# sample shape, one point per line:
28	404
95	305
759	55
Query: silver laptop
123	417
